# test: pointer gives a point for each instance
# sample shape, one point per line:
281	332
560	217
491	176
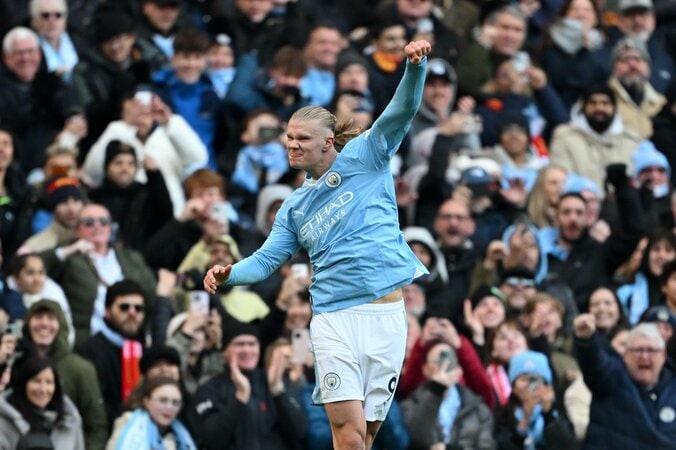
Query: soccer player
345	217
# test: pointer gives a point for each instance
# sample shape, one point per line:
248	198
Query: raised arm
395	120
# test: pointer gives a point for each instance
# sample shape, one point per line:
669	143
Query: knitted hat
61	189
529	362
626	5
627	44
646	155
484	291
348	58
576	184
158	353
599	89
516	272
234	328
112	23
115	148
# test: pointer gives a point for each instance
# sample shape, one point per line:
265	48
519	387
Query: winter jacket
78	378
638	118
67	434
624	415
472	428
266	422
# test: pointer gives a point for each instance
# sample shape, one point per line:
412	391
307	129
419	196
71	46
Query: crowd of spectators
143	141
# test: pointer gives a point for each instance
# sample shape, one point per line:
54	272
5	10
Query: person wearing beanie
267	414
484	311
137	209
637	100
108	70
65	199
594	138
517	285
531	419
156	30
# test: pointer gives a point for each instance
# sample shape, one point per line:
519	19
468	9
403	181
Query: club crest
331	381
333	179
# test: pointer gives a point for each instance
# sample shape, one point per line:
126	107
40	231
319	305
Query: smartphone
199	302
521	61
300	271
267	134
534	382
219	212
144	97
449	357
300	344
15	328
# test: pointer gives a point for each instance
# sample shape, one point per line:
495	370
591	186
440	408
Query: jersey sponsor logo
333	179
331	381
326	217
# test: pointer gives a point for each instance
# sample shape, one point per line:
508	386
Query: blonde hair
342	132
539	209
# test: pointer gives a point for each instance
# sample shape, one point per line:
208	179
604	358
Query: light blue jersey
347	220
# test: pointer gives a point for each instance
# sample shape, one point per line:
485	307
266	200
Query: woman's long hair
21	375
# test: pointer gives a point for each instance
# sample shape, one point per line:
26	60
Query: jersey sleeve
387	132
280	245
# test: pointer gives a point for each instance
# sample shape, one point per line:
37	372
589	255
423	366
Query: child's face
221	57
189	66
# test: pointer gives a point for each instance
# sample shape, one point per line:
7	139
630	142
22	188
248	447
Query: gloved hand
616	174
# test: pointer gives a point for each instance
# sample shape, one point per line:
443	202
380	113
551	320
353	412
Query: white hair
18	33
34	7
648	330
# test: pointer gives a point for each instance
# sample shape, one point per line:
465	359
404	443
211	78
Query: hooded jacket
78	378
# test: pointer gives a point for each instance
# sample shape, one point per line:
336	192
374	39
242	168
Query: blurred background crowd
142	141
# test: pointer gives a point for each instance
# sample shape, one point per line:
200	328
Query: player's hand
417	50
215	276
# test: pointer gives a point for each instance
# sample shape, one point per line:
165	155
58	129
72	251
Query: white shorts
358	353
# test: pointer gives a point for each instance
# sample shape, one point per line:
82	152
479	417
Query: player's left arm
395	121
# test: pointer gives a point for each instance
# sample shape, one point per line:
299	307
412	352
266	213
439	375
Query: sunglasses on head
124	307
90	221
46	15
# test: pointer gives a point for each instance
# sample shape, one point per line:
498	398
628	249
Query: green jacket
78	379
79	280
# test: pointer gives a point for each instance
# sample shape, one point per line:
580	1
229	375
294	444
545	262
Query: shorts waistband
376	308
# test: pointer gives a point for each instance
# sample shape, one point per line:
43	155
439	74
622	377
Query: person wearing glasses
59	49
633	397
88	266
116	350
154	423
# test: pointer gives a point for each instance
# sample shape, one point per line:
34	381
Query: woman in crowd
507	340
545	195
35	408
640	276
607	309
566	54
154	424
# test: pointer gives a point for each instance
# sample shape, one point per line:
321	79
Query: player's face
308	143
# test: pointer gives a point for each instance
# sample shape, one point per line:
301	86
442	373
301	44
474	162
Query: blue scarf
65	57
141	433
536	426
634	297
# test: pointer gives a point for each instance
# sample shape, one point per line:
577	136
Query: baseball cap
659	313
626	5
438	68
478	181
158	353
